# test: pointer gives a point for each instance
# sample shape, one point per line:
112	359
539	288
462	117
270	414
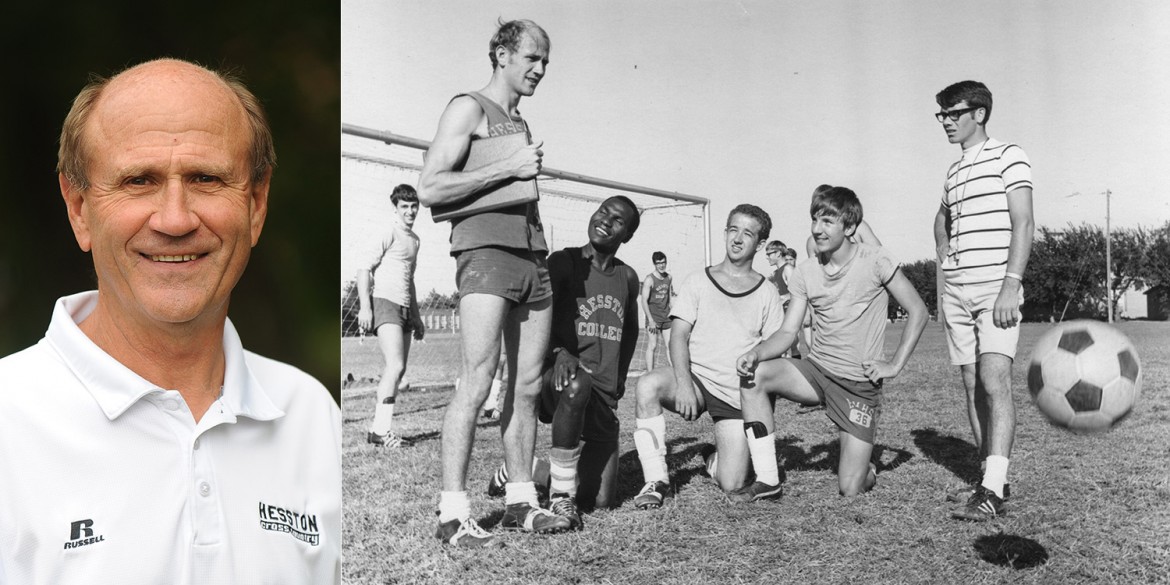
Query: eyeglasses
954	115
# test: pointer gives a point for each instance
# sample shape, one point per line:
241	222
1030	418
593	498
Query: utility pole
1108	259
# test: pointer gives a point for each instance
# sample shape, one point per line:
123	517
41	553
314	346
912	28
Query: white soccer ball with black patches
1084	376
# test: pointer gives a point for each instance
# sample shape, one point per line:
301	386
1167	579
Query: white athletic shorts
971	331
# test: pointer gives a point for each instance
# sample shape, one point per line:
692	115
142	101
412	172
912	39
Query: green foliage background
289	55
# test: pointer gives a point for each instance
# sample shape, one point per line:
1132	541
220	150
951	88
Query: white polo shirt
105	478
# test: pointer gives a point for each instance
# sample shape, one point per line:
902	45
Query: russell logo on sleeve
81	534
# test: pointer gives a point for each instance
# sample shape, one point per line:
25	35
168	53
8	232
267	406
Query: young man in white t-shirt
718	313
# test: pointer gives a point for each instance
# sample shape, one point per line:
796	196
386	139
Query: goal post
374	161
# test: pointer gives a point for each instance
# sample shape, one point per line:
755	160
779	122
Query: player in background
390	307
718	314
657	292
502	279
983	231
595	333
781	271
848	285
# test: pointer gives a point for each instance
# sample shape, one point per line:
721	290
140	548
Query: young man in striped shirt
983	232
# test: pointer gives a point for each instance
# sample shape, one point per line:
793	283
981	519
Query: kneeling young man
594	334
848	286
719	313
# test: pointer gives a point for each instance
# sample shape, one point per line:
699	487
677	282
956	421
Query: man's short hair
776	245
509	34
839	202
821	189
757	214
973	92
658	257
790	253
72	158
402	193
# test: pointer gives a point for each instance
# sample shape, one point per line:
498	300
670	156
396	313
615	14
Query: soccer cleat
964	493
565	506
983	505
495	487
532	519
466	534
652	495
388	440
756	491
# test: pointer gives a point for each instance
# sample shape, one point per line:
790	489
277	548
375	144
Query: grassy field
1084	509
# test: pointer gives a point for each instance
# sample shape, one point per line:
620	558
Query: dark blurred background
288	53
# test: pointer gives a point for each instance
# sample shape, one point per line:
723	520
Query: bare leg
394	344
526	336
651	347
853	476
995	378
483	318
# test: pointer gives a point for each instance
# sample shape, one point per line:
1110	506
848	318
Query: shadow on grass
1006	550
956	455
827	456
630	468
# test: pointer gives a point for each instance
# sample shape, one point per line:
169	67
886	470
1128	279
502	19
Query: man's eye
137	181
206	179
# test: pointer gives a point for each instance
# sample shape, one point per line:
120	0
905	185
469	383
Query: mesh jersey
515	227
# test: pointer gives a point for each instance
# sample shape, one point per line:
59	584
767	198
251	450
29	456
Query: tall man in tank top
503	282
657	290
983	231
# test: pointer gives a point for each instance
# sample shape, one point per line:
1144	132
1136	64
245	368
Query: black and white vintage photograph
745	292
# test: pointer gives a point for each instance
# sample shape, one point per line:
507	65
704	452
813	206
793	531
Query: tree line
1065	278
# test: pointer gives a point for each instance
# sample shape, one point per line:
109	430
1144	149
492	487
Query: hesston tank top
516	227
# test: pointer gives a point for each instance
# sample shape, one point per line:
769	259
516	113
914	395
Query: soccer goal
374	161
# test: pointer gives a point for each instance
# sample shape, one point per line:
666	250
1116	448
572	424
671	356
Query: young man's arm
686	400
1007	304
644	302
365	301
777	343
865	235
365	310
942	241
420	329
440	183
900	288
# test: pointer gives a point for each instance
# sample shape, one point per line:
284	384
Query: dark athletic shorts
521	276
601	422
662	325
853	406
387	312
716	407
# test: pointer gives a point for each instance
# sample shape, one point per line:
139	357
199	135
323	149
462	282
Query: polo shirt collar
116	388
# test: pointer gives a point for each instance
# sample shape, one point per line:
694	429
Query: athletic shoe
964	493
532	519
466	534
495	488
565	506
389	440
983	505
491	414
755	491
652	495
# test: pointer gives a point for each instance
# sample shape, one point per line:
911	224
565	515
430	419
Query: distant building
1158	303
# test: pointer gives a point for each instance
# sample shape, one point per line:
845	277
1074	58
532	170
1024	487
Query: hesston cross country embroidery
302	527
81	534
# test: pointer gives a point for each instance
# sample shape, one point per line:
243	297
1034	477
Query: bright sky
761	101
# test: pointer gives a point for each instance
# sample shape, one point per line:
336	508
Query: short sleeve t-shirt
725	325
849	309
391	261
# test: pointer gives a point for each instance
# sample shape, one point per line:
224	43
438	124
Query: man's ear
259	205
75	207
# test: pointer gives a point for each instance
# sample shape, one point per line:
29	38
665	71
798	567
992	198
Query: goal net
373	162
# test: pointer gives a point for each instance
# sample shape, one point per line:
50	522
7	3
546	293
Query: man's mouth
178	258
